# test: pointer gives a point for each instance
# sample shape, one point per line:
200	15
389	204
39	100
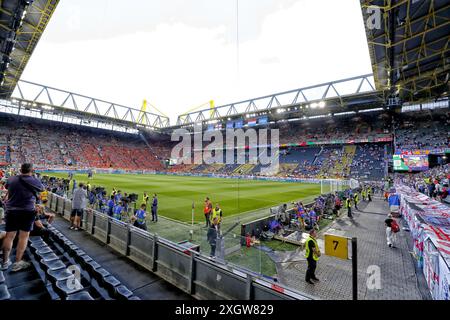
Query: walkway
143	283
399	279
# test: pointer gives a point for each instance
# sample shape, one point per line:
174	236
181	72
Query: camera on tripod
99	190
132	197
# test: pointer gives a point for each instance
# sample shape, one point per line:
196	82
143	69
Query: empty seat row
4	293
111	284
62	280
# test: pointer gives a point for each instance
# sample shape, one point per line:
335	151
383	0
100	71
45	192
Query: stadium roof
22	23
334	97
408	45
39	101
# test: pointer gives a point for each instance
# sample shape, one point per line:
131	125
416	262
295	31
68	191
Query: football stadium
334	190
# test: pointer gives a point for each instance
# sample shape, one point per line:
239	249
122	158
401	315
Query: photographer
110	206
138	219
118	210
102	203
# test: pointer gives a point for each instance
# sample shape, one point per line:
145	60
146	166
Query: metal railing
187	269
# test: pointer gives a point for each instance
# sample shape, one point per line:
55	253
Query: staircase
338	164
287	169
244	168
215	167
347	159
317	156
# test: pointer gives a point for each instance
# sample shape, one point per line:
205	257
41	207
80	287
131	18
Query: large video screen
263	120
403	162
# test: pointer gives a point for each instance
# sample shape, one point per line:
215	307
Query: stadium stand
433	182
422	131
49	146
368	162
62	270
339	149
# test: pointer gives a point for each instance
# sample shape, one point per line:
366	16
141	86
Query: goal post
334	185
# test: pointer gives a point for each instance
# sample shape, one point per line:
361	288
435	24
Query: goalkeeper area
176	194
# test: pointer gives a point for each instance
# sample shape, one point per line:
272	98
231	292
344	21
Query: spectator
2	208
23	192
79	202
44	196
389	233
38	228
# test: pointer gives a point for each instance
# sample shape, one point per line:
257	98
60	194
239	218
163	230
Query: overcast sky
179	54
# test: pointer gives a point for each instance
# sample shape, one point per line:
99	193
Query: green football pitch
177	193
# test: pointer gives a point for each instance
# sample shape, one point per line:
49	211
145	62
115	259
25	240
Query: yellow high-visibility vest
44	195
315	257
347	202
216	213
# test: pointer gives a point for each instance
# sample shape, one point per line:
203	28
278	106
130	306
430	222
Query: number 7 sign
336	246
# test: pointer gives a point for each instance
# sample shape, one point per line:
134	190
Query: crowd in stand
422	132
434	182
368	161
56	146
320	131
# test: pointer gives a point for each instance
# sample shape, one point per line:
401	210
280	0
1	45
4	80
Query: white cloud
177	66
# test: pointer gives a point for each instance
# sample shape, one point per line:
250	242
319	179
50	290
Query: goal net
333	185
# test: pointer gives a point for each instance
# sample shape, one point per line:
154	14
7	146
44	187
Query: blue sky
178	54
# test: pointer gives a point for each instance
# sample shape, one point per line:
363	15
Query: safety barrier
118	235
100	227
67	208
255	227
188	270
53	202
60	205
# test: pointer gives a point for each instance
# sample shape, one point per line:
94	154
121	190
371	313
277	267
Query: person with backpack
392	228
